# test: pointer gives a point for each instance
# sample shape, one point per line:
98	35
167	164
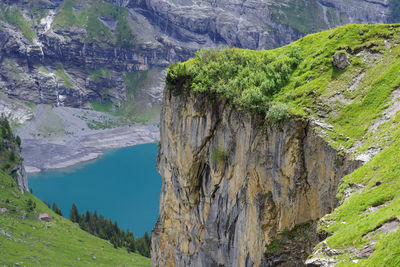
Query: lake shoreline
41	154
76	142
121	185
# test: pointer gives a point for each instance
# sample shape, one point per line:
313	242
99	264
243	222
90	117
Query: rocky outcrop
20	177
232	184
341	60
253	24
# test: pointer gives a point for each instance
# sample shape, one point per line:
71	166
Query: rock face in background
20	177
10	158
231	184
49	50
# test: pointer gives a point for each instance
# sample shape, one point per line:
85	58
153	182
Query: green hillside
355	108
26	241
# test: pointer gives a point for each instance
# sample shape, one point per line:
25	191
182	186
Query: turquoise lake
123	185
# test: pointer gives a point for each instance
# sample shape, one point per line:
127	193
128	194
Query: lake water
123	185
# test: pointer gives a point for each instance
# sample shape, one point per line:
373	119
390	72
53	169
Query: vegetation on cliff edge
357	110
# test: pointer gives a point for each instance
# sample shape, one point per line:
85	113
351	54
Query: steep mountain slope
257	146
74	52
26	241
10	158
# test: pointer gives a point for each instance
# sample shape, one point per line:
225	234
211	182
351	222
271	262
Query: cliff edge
258	146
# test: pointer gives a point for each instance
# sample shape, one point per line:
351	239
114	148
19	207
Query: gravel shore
59	137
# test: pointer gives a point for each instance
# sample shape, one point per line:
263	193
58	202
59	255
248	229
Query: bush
18	140
247	79
219	156
177	78
12	156
277	113
30	205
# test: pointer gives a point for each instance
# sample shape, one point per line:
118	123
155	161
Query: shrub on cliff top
247	79
277	113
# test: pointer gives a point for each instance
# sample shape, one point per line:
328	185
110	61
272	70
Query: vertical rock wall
230	183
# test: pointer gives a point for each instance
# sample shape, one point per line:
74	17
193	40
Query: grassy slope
313	88
88	18
14	16
58	242
135	108
24	240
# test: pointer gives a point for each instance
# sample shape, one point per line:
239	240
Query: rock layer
164	31
231	183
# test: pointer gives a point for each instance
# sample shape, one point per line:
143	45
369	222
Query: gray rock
341	60
165	31
225	212
3	210
365	252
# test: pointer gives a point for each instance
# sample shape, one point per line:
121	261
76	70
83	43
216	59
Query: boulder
341	60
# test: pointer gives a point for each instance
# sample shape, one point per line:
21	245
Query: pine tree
104	228
56	209
74	214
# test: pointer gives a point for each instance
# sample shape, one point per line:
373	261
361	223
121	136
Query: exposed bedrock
231	183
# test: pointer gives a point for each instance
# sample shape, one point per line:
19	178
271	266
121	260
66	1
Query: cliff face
49	49
231	184
240	192
253	24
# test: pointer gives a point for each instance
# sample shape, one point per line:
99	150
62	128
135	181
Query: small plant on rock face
219	156
277	113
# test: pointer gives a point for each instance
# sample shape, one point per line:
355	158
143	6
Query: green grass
88	18
24	240
61	74
99	74
147	115
301	76
66	17
59	242
219	156
310	87
134	109
50	124
42	68
14	16
102	107
385	169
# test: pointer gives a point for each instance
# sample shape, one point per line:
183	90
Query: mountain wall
74	52
271	157
231	184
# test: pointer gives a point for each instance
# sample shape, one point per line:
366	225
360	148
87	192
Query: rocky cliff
74	52
250	168
231	184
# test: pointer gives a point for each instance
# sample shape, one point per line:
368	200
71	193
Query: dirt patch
352	188
389	112
355	83
390	226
